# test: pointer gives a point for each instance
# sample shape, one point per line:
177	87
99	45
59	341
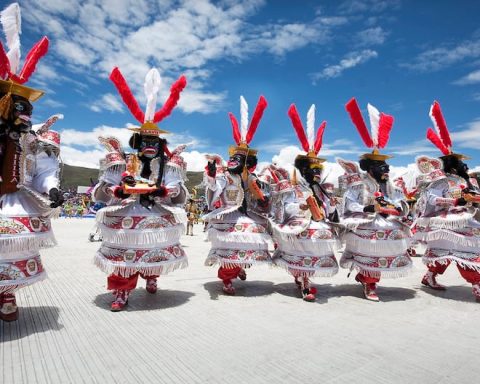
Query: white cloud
355	7
93	36
108	102
444	56
350	61
371	36
471	78
468	138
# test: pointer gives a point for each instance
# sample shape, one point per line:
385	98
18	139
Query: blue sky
399	55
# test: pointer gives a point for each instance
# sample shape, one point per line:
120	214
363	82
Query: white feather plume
374	115
152	87
12	27
243	118
434	121
311	126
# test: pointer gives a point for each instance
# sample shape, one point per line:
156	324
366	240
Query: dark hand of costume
128	179
461	202
263	203
211	168
369	209
56	198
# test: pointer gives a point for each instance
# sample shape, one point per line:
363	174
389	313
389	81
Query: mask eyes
19	107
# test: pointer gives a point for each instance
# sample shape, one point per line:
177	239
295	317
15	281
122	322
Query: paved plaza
189	332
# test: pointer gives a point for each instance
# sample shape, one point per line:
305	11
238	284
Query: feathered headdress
441	136
45	134
381	125
150	118
243	135
11	79
310	143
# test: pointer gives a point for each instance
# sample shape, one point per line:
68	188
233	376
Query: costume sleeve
46	173
110	178
214	186
177	192
352	199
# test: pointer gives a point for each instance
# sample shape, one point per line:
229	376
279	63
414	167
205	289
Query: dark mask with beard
310	171
20	114
378	169
236	163
149	146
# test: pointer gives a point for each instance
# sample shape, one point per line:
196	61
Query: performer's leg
473	277
308	292
151	285
369	286
8	307
226	275
434	269
121	287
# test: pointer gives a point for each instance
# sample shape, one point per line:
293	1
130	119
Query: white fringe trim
169	235
258	239
19	243
353	223
443	260
451	221
10	286
213	259
308	247
387	273
357	244
127	269
304	271
456	238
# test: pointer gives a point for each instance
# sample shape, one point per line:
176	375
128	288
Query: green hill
72	177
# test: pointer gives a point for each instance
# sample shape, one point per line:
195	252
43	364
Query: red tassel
319	139
384	128
257	116
236	131
126	94
4	63
432	136
297	125
442	126
36	53
172	100
357	120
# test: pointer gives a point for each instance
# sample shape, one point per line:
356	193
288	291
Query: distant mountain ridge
71	177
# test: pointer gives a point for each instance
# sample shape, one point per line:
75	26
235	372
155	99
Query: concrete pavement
189	332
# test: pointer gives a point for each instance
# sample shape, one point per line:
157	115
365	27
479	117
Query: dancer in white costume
447	211
238	228
376	240
29	192
301	225
145	194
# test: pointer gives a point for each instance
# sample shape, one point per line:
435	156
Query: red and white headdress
380	123
244	135
150	118
441	136
45	134
11	79
310	143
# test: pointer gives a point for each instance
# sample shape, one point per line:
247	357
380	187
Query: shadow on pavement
386	294
457	293
141	300
31	320
242	288
291	290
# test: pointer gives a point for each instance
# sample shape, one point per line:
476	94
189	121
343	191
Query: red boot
308	293
8	307
430	281
476	291
121	301
369	289
228	289
151	285
242	275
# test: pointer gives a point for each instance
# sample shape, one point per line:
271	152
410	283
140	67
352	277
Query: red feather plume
236	131
257	116
432	136
297	125
357	120
384	128
4	63
442	125
172	100
36	53
126	94
319	138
